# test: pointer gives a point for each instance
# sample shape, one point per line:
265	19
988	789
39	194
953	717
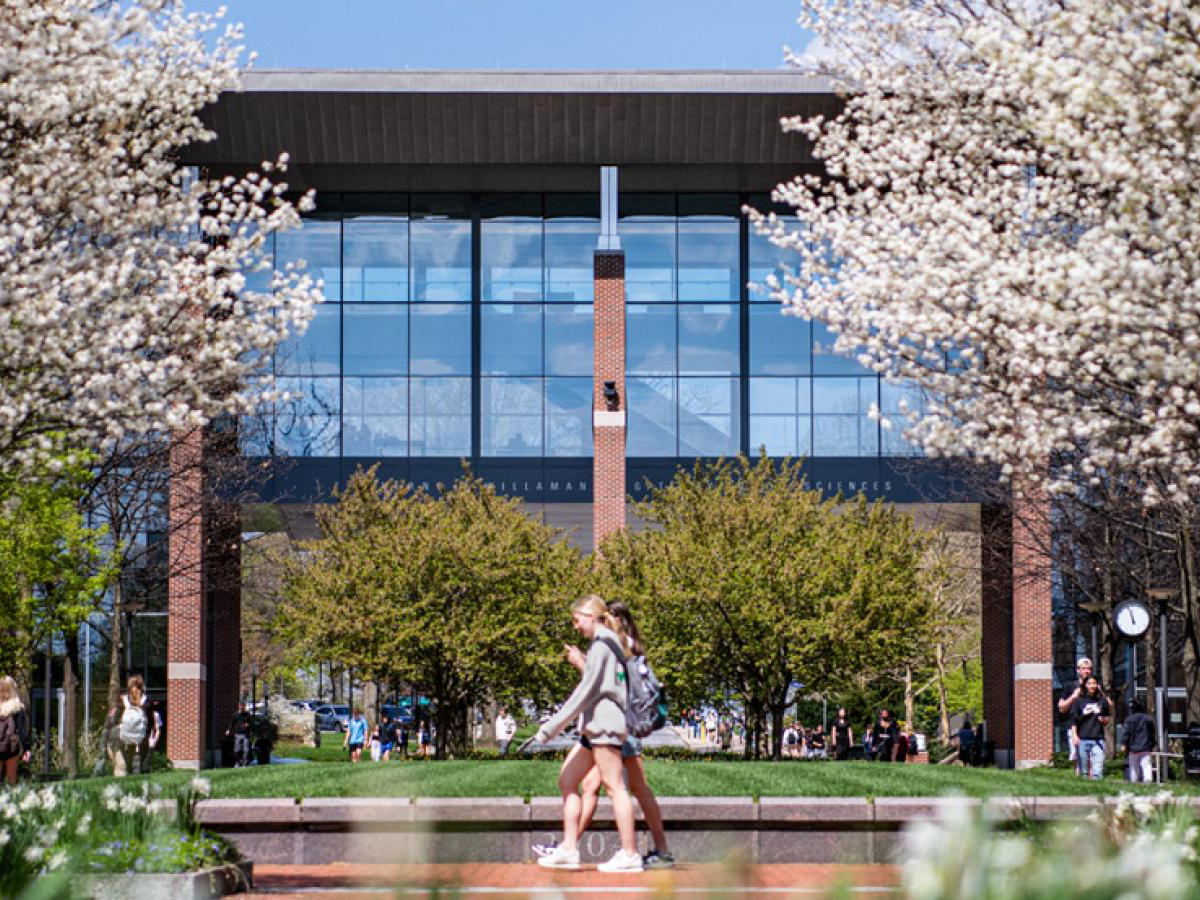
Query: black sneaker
656	859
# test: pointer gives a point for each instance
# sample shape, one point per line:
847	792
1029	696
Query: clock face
1132	618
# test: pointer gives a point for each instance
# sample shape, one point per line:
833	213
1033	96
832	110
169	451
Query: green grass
700	778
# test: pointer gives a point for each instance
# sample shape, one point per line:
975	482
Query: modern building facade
551	276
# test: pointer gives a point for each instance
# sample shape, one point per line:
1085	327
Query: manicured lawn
527	777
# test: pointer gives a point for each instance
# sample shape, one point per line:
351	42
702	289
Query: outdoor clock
1132	618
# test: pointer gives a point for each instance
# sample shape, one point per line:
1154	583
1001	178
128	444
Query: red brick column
187	695
223	580
996	623
1032	628
608	424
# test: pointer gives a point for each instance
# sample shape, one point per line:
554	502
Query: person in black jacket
1140	741
14	730
1090	713
883	737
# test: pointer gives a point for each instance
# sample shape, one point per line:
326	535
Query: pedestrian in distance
599	702
883	737
425	739
387	737
791	741
506	730
1140	743
239	730
817	748
1090	712
843	735
14	730
966	742
136	728
356	735
1083	668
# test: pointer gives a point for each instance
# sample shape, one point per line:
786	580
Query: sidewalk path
513	880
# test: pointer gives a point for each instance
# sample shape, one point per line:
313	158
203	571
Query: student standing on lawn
1083	669
599	702
387	737
239	730
135	729
356	735
843	735
1090	713
816	743
506	730
1140	741
14	730
884	738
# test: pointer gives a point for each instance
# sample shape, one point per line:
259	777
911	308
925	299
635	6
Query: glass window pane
569	339
649	260
511	339
650	340
568	417
441	259
317	243
652	414
775	433
375	417
825	360
511	260
376	339
778	395
891	396
376	258
440	339
765	260
708	417
779	341
708	261
440	422
841	426
708	339
512	417
569	269
306	422
318	350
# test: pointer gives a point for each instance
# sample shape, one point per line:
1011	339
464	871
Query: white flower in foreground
201	786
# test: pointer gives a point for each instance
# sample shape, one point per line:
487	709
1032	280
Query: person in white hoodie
599	703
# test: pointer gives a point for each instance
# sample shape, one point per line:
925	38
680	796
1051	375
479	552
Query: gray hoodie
599	697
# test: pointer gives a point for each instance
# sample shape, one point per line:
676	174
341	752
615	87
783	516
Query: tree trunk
777	732
1105	668
939	659
1189	597
370	700
909	700
70	735
335	684
116	647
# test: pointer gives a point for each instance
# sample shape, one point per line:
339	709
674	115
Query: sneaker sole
621	871
569	866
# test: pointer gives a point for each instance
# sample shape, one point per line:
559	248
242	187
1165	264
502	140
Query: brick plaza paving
347	881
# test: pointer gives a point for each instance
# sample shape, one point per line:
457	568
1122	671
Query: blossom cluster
124	302
1009	220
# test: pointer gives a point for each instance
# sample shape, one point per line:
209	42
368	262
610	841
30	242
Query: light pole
1162	596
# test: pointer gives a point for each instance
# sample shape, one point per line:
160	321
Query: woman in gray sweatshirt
599	702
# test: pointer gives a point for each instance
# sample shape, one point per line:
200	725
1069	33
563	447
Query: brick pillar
187	625
1032	628
996	624
608	424
223	581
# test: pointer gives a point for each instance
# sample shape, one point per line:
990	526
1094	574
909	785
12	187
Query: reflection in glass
841	426
826	361
568	339
306	420
511	339
440	423
376	258
766	260
650	339
708	339
779	416
512	417
375	417
568	416
440	339
569	269
512	260
708	417
441	260
779	341
649	261
376	339
652	417
317	243
890	397
318	350
708	261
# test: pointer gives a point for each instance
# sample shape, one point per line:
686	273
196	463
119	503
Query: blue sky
516	34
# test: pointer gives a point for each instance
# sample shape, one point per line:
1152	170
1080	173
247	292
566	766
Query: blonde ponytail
594	605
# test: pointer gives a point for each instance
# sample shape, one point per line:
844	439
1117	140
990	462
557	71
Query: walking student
1140	741
134	730
14	730
239	730
843	735
506	730
599	702
1083	668
356	735
1089	714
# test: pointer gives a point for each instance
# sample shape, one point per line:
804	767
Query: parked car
332	718
401	714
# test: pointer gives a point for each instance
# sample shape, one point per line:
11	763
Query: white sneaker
622	862
558	858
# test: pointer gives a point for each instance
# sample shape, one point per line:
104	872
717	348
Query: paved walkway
512	880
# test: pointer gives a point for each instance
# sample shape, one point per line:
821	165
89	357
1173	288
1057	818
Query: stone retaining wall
497	829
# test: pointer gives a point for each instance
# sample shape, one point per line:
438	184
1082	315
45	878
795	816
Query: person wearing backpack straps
599	702
14	730
660	856
133	729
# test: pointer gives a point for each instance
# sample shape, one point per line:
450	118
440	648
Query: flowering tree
123	301
1010	221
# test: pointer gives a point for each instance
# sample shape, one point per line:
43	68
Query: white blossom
123	299
1010	220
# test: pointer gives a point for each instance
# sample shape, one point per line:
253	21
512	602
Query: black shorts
354	747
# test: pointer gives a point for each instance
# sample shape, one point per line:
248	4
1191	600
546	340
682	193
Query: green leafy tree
462	595
747	583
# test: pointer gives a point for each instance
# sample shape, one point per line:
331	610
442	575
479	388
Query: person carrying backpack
14	730
599	701
133	730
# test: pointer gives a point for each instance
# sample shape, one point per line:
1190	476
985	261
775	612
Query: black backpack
10	741
645	698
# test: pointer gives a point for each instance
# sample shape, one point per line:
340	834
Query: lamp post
1162	596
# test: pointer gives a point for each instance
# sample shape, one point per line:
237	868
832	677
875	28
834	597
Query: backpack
10	741
645	698
133	723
